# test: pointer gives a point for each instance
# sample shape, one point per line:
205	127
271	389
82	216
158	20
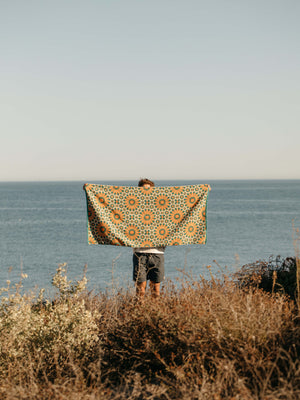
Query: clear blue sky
167	89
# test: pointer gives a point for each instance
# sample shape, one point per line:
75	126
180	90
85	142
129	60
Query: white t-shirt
149	250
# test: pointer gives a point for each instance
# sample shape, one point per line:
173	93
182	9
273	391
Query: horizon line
156	180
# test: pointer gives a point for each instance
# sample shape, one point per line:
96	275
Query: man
148	262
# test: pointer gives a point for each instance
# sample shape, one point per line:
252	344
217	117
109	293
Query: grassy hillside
207	340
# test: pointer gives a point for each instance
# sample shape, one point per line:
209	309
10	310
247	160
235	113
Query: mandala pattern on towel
139	217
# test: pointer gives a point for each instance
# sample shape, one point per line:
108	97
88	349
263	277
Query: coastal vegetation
228	338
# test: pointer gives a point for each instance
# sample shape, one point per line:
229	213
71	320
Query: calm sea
43	224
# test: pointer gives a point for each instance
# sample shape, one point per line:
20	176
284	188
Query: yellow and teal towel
139	217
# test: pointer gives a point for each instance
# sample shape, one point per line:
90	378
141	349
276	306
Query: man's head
145	181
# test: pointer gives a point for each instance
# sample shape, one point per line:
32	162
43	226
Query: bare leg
141	288
155	289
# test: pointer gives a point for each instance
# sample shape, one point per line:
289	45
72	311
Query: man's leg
140	274
141	288
156	273
155	289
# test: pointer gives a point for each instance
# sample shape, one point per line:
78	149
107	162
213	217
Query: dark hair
145	181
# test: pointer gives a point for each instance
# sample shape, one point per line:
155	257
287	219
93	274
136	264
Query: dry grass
207	340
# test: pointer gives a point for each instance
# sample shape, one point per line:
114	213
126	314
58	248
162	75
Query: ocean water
43	224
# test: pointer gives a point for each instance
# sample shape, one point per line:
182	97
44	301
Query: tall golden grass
203	340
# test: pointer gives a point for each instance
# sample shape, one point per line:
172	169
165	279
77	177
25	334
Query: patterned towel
140	217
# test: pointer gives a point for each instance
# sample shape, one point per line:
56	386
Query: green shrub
275	275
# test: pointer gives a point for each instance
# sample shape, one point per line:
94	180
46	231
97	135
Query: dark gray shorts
148	266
